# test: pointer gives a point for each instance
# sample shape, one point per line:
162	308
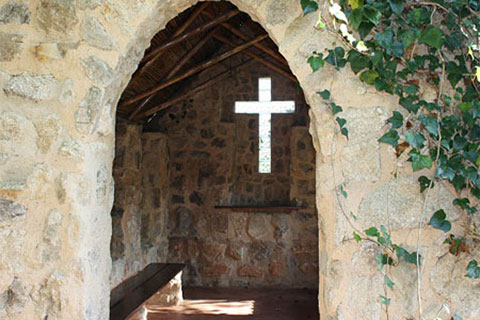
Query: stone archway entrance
66	65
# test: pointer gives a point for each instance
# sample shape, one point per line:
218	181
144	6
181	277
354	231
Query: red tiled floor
239	304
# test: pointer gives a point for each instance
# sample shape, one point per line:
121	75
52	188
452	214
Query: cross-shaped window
264	107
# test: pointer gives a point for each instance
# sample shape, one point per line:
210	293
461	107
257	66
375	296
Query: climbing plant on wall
401	47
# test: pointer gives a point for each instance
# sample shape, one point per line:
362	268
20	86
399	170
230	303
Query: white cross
264	107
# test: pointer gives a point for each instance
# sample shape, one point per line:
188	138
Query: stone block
94	33
15	12
48	130
11	46
98	71
86	115
32	86
215	270
361	162
250	271
56	15
88	4
11	211
365	123
11	125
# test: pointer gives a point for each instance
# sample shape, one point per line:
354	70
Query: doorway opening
206	177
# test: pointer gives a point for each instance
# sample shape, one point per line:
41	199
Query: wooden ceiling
199	38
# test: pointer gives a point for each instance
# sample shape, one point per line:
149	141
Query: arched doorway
200	184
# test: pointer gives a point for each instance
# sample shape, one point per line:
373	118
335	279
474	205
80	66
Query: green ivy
405	45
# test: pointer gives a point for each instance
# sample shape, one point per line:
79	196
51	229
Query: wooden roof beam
177	32
263	61
177	67
202	86
192	71
184	36
244	37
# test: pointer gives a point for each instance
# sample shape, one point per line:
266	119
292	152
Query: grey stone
48	130
30	86
102	183
280	11
361	161
48	298
71	149
14	12
365	123
258	227
14	298
98	70
401	200
10	210
11	46
51	237
89	108
88	4
184	218
196	198
67	93
56	15
94	33
11	125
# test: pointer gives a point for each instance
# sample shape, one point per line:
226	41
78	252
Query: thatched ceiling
198	38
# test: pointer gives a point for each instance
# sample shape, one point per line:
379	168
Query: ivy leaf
356	237
464	203
419	161
430	123
384	300
396	120
424	183
325	94
372	14
341	121
369	76
439	222
344	131
416	140
409	257
308	6
372	232
473	270
383	259
355	3
342	190
391	137
396	5
335	109
419	16
465	106
316	61
389	282
432	36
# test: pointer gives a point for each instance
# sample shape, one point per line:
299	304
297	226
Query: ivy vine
402	47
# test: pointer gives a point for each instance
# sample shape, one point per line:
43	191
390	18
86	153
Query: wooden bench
133	292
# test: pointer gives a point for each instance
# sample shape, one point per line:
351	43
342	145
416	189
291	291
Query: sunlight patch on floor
210	307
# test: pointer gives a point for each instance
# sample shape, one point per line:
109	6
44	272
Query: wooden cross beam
202	86
179	31
242	36
263	61
177	67
192	71
189	34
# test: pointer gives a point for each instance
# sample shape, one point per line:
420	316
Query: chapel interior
201	182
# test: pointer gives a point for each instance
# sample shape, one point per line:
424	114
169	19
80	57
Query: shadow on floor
238	304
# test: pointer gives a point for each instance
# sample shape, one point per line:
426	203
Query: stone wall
140	209
57	146
214	161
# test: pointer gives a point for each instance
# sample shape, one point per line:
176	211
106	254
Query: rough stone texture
98	71
32	86
77	285
15	12
88	4
56	15
48	130
139	215
94	33
11	46
10	211
89	108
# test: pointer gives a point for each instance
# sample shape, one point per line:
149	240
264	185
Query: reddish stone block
250	271
277	268
215	270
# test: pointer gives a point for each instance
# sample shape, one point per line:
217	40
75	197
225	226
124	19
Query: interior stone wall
214	161
57	147
140	208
